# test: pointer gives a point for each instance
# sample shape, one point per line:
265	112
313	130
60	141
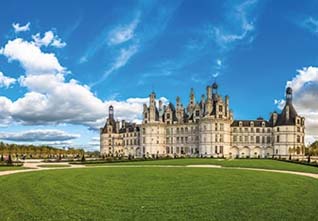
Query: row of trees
32	151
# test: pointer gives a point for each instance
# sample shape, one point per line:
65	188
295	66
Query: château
206	128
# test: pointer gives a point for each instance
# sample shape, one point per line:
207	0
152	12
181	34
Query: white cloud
123	33
51	99
121	60
116	36
280	103
5	111
94	142
38	135
30	56
311	24
57	101
66	143
6	81
305	98
219	62
21	28
49	39
239	25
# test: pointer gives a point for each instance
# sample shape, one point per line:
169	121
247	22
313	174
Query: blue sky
63	63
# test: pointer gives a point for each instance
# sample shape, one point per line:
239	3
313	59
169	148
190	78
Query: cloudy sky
63	63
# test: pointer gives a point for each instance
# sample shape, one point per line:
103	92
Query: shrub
1	159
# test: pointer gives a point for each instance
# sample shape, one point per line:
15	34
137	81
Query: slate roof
282	119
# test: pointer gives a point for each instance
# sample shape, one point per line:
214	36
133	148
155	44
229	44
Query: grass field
247	163
5	168
157	194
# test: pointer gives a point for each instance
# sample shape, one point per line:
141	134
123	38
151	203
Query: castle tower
288	131
208	108
152	107
191	101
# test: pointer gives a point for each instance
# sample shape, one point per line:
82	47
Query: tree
313	148
9	161
83	158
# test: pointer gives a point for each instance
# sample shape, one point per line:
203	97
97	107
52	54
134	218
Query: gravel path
36	167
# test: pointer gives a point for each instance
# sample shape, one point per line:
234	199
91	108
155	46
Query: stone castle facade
206	128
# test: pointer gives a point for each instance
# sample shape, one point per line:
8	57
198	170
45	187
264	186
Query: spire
152	98
215	88
111	112
289	95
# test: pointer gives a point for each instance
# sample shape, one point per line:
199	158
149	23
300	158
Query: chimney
160	105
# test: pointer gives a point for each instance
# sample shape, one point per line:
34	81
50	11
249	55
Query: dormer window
168	116
240	123
197	113
252	124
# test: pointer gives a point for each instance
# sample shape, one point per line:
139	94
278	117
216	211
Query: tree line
22	151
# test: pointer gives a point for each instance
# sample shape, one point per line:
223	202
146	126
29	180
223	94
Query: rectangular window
277	139
221	127
257	139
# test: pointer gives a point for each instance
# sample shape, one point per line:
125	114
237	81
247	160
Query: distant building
205	128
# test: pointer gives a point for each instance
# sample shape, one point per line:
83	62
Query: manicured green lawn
157	194
5	168
247	163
